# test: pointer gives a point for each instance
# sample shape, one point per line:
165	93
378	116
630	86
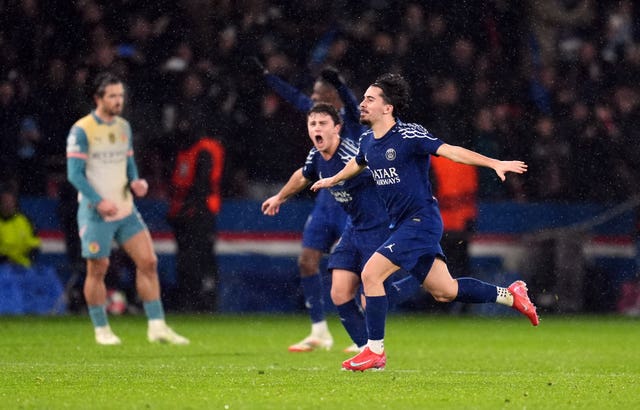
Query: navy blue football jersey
357	196
399	163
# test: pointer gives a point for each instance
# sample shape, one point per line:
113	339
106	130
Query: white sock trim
320	328
504	296
376	346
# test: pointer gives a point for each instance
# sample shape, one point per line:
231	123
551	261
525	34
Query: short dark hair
395	91
326	108
103	80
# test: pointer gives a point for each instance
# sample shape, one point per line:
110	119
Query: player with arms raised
366	228
327	219
398	156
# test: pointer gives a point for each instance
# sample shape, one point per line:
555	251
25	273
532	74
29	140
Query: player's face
112	102
373	106
325	93
324	133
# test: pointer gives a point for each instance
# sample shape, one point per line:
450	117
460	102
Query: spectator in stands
550	160
487	140
10	120
18	241
31	171
554	21
591	46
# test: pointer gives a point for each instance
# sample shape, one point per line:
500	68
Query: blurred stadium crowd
552	82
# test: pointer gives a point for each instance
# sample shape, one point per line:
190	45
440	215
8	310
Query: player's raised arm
297	182
350	102
349	171
466	156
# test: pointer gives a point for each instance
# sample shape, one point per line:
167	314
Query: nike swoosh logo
525	307
357	364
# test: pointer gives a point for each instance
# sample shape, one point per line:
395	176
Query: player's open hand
139	187
271	206
503	167
322	183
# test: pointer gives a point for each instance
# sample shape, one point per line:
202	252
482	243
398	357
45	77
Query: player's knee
98	267
443	295
369	279
148	264
340	296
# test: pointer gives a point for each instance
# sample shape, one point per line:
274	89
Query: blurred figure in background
456	188
195	201
31	170
18	242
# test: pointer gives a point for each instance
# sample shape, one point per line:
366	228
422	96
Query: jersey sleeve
285	90
309	170
360	157
77	153
424	142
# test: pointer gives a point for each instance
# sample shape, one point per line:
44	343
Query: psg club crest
390	155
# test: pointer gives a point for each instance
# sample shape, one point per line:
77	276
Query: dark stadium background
557	78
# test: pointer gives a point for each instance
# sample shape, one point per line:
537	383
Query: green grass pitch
241	362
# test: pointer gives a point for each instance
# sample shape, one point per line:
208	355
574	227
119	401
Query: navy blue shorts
323	228
414	245
356	247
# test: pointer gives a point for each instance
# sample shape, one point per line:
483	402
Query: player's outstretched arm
297	182
466	156
349	171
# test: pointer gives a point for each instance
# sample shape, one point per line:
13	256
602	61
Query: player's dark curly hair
326	108
103	80
395	91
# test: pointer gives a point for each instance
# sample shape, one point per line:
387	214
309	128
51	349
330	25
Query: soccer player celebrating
397	154
100	165
327	219
367	226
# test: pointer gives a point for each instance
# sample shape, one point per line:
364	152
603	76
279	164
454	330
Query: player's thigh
140	248
377	269
135	239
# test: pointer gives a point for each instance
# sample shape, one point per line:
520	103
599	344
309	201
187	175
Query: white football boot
105	336
159	332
